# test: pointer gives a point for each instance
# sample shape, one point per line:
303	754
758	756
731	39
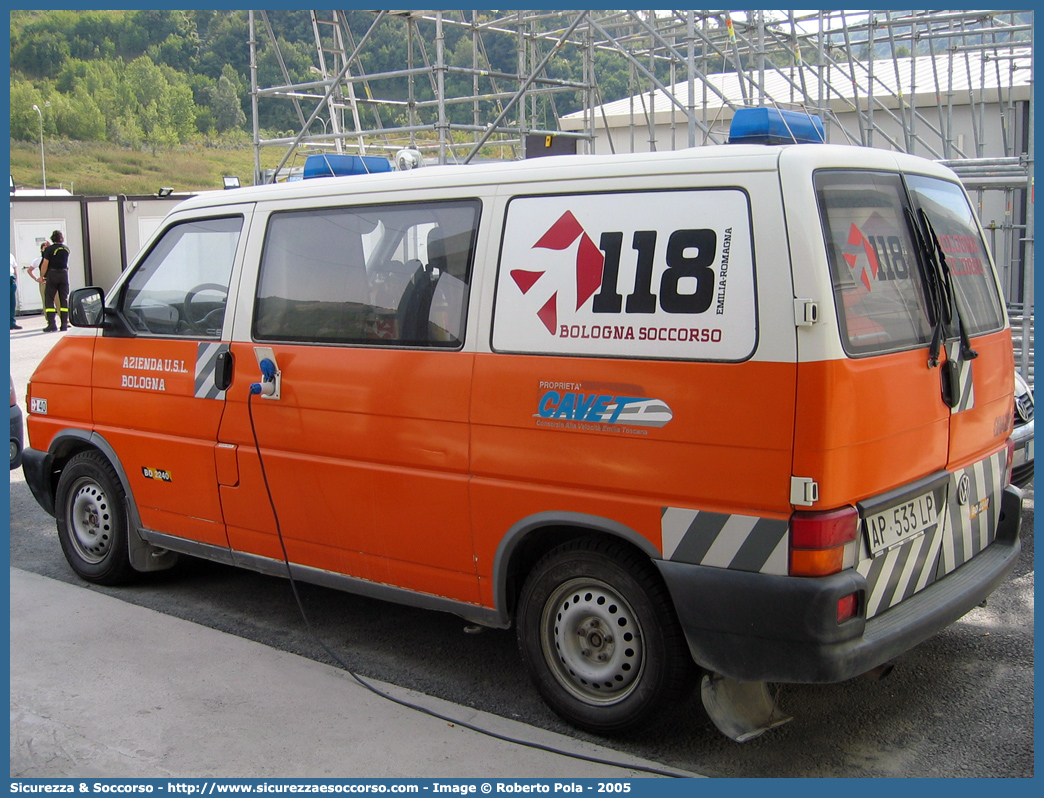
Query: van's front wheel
91	512
600	637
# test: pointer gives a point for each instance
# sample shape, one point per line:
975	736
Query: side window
181	287
378	275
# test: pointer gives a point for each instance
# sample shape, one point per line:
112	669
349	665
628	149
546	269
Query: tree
78	116
180	111
180	52
225	101
160	101
151	27
226	43
298	57
94	34
98	79
42	55
25	124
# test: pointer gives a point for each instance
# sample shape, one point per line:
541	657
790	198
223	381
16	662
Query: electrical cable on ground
393	699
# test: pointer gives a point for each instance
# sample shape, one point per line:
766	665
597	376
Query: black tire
600	637
91	511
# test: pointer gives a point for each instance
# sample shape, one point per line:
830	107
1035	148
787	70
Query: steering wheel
203	320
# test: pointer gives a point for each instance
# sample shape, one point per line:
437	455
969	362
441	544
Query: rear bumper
762	627
36	466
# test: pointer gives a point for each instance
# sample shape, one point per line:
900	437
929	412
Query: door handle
223	368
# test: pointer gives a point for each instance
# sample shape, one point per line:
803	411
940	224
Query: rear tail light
818	540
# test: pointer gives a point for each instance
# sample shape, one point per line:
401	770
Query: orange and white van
740	411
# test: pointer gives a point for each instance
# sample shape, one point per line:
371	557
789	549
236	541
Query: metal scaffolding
897	80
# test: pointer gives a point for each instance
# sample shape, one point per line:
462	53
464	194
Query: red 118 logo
598	268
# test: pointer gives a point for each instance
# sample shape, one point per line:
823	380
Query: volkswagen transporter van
739	413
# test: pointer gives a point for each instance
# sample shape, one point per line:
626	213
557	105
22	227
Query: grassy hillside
93	169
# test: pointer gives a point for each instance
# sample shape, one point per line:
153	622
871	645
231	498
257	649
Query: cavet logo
573	406
690	256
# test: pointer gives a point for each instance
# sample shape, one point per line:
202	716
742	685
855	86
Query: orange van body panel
227	460
165	429
498	506
897	436
907	431
63	378
978	431
366	453
731	429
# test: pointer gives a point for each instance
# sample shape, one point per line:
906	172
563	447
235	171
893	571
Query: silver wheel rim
90	518
592	641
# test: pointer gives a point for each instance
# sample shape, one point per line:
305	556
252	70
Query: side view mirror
87	307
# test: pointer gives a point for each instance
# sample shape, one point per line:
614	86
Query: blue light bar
323	165
773	126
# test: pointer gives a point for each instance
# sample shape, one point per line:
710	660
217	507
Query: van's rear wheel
91	511
600	638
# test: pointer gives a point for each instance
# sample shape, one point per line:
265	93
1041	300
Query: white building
970	104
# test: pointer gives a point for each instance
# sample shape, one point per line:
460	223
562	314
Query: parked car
16	429
1022	464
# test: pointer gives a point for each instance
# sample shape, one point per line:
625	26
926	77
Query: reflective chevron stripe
739	542
966	526
965	383
900	572
973	510
206	363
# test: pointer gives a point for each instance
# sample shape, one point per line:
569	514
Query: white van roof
718	158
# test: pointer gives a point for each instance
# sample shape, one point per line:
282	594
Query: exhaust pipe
881	672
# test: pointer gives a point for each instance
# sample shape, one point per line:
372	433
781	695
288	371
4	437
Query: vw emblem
1024	407
962	489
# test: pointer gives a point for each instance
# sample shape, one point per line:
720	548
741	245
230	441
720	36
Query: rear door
983	390
874	429
154	393
871	417
979	365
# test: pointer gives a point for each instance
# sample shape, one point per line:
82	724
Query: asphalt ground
132	693
959	705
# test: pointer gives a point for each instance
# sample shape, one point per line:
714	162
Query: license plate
901	523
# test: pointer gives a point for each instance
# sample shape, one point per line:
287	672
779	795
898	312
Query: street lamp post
43	163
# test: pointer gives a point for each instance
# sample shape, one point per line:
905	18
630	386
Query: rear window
879	290
966	255
877	272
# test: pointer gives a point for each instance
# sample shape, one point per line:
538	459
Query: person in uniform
54	269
